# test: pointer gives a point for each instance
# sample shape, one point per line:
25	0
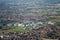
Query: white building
52	23
18	24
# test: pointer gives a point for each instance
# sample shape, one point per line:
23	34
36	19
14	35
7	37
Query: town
39	27
29	19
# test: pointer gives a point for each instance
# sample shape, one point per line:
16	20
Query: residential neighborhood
29	19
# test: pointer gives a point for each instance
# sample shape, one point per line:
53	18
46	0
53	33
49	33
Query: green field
16	29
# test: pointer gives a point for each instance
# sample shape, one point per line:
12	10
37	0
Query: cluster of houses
35	34
29	25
